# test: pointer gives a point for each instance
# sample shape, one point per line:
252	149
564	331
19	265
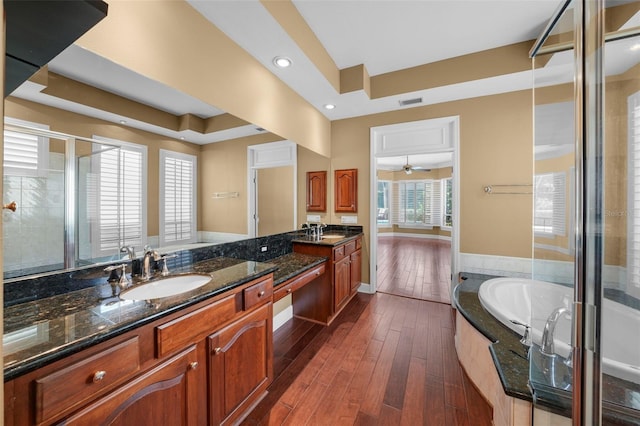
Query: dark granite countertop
293	264
49	329
509	356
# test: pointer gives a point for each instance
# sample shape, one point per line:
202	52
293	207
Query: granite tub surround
512	366
45	330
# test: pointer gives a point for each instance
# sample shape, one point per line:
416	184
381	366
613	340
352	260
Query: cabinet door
240	365
356	271
317	191
166	395
341	283
346	190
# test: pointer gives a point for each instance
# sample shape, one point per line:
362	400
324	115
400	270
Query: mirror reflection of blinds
633	203
25	154
120	198
179	203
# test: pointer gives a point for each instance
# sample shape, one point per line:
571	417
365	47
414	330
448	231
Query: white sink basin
166	287
332	237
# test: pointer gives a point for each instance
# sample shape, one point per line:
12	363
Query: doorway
272	188
415	208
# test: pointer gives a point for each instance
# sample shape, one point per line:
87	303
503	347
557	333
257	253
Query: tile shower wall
34	233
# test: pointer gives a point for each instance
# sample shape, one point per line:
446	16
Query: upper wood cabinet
317	191
346	190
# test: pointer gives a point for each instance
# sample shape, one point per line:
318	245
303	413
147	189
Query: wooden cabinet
208	363
241	366
324	301
317	191
346	191
165	395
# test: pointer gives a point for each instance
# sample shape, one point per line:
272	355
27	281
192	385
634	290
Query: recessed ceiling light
329	106
123	122
282	62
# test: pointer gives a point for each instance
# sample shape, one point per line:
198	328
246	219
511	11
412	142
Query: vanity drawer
338	252
349	248
188	329
258	293
298	281
77	383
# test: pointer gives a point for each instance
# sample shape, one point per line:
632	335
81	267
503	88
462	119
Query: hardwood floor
415	267
384	360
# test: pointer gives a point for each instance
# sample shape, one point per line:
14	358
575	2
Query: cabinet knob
317	273
217	351
98	376
193	365
288	290
261	293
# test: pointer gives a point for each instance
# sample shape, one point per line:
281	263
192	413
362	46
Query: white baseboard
408	235
503	266
365	288
282	317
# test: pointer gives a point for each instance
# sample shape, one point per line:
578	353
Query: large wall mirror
143	163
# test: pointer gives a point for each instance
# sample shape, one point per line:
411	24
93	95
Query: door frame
416	137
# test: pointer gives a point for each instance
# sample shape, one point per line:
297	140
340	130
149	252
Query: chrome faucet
149	253
547	347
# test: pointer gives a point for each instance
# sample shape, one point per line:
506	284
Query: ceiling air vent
410	101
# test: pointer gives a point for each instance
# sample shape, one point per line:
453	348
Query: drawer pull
99	375
261	293
217	351
193	365
288	290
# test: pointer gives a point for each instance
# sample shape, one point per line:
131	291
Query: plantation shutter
397	207
178	204
633	207
559	204
436	203
25	154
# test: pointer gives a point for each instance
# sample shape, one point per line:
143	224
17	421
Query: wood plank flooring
385	360
415	267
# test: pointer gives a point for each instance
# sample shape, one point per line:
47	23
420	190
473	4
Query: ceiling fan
408	168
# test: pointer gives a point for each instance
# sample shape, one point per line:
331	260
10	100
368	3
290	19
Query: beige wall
224	169
275	200
495	148
175	45
81	125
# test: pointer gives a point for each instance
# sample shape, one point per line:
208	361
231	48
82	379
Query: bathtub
531	302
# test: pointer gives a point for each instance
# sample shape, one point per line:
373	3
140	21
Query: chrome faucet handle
165	269
123	281
526	337
130	250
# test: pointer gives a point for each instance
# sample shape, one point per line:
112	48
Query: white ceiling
384	35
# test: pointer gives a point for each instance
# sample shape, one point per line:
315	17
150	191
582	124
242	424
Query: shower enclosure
586	103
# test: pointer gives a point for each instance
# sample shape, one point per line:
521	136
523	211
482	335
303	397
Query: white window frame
97	251
164	155
41	145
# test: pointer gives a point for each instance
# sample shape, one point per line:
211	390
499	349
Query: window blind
25	154
118	179
178	201
417	203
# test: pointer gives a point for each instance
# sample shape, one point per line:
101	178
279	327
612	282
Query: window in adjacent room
117	206
384	202
549	217
447	203
417	203
177	198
